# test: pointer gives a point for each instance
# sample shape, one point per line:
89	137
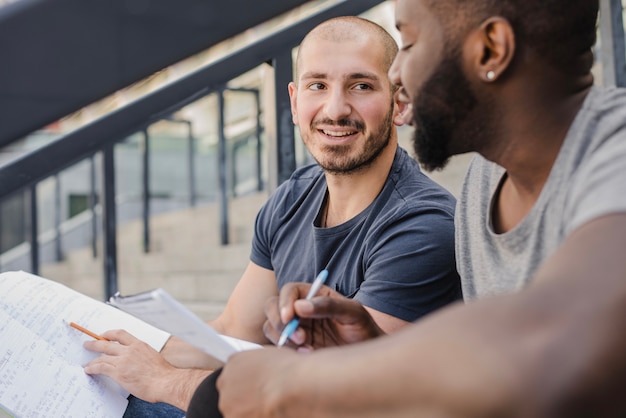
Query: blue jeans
138	408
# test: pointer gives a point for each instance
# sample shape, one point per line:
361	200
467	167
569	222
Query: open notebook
41	356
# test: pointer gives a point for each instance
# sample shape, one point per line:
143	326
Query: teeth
338	134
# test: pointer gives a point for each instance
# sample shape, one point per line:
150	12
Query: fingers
291	301
288	295
343	310
129	361
121	336
292	292
98	366
273	326
112	346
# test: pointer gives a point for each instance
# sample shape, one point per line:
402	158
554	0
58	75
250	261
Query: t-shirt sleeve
260	252
410	270
267	221
600	185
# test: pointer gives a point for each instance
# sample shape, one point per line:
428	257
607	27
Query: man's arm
385	321
553	349
244	315
153	376
242	318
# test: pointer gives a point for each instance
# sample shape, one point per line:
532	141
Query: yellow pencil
86	331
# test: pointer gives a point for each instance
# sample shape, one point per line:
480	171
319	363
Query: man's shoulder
307	173
600	120
413	186
606	99
302	182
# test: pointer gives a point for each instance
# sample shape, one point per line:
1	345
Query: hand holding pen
293	324
331	318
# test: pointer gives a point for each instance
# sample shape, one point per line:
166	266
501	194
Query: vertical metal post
92	206
1	234
221	164
146	191
109	219
285	137
34	233
234	151
613	43
58	254
191	156
259	145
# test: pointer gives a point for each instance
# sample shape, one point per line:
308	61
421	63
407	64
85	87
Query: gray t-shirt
397	256
588	180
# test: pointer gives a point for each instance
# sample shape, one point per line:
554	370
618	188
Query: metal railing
101	136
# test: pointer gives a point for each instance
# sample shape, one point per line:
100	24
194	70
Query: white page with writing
35	380
40	352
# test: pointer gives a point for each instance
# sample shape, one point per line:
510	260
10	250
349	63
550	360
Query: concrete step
186	257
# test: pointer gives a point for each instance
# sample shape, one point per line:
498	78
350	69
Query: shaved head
351	28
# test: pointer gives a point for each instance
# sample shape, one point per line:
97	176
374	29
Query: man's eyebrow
312	74
358	76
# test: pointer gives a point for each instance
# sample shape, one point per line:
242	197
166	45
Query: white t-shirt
588	180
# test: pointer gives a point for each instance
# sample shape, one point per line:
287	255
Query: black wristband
205	399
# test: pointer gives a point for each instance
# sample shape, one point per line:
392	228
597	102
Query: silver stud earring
491	75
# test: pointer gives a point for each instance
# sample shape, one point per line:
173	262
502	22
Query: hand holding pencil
86	331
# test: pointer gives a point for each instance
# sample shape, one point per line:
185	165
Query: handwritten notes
41	357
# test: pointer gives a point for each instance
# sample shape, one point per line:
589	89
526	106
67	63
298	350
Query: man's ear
293	95
491	48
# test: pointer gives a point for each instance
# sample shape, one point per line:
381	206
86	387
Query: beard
441	111
340	159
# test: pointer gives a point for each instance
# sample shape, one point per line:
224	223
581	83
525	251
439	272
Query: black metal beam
34	231
285	137
61	55
221	170
93	197
58	251
146	191
109	221
133	117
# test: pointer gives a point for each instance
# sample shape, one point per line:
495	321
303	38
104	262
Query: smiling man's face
342	102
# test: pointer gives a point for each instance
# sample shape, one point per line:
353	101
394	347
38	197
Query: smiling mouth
338	134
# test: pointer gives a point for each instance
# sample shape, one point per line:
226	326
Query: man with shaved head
365	212
540	228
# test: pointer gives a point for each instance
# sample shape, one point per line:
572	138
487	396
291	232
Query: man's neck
349	195
528	155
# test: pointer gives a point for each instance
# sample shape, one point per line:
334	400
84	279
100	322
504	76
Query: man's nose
338	105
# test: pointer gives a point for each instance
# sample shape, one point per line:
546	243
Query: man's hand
141	370
329	319
253	381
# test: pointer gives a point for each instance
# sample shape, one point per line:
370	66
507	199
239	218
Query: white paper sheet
41	356
159	308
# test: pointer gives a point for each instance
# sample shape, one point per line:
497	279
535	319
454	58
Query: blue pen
293	324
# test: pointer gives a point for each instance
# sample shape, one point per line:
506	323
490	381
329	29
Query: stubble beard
339	159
